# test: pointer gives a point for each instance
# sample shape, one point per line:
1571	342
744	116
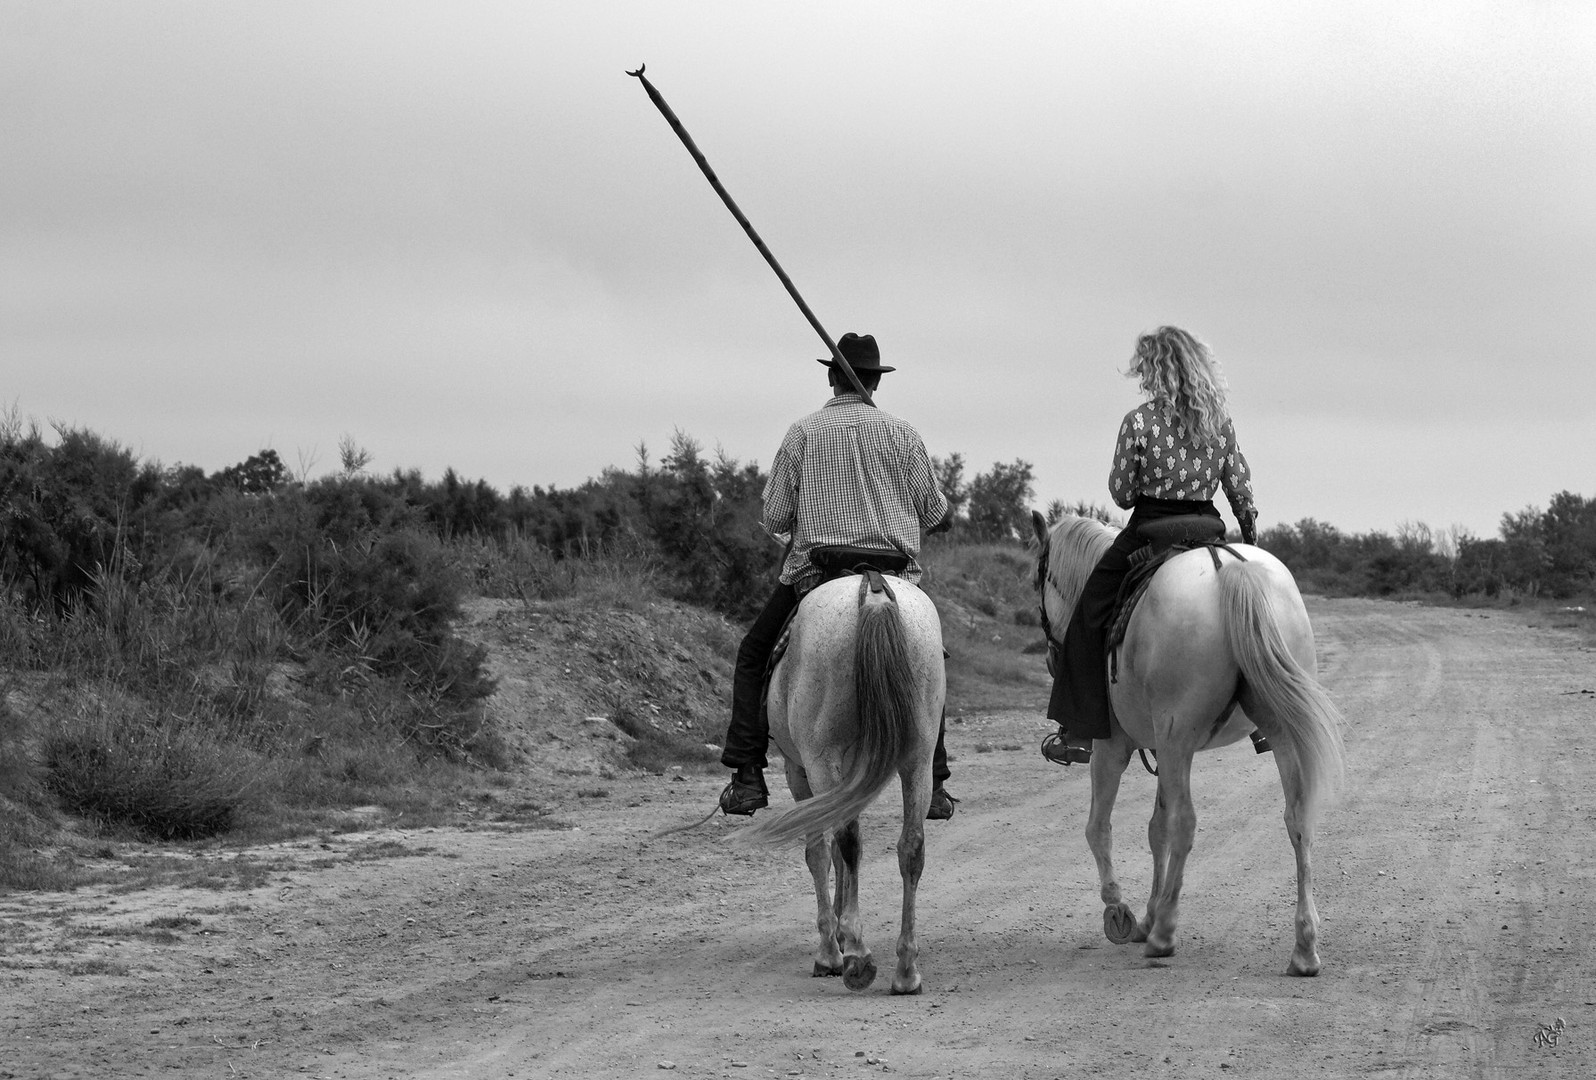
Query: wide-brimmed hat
861	353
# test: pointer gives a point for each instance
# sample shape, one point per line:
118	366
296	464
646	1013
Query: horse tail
883	684
1310	722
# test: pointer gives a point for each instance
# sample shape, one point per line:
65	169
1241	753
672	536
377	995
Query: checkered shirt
1156	456
850	474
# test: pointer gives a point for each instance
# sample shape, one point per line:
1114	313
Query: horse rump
884	698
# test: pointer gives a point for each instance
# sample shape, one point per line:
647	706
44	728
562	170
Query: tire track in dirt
1444	794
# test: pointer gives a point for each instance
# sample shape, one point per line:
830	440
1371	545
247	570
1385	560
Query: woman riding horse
1173	451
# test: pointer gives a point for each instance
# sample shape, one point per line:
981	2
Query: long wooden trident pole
714	182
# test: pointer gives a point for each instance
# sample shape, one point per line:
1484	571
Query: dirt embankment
578	686
1452	882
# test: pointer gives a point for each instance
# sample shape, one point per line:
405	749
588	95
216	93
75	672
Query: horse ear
1039	523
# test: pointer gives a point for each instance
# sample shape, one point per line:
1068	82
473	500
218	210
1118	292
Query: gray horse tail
1310	723
884	691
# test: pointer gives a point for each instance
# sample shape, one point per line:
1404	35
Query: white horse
857	698
1200	643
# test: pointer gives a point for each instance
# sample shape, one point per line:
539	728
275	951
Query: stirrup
1260	745
1058	750
942	805
744	795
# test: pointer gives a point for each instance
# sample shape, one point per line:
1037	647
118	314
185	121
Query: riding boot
746	792
941	802
1260	745
1062	748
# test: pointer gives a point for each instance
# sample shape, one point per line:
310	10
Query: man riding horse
846	476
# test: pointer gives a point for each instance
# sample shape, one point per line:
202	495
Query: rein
684	828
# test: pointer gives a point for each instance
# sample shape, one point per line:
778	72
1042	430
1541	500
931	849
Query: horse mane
1074	546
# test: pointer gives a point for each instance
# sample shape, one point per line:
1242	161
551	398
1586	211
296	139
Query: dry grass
180	767
990	626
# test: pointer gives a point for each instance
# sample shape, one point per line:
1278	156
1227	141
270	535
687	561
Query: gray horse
1208	654
856	699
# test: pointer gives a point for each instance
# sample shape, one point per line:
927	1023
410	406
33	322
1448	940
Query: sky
457	235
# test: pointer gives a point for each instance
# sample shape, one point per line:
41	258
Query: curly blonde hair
1177	370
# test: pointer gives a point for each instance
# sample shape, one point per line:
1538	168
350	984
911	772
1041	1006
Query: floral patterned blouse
1156	456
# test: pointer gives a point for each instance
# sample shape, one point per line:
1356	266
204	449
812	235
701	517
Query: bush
1550	553
354	572
999	503
63	510
166	781
705	518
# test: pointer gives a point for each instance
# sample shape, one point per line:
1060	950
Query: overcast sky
458	234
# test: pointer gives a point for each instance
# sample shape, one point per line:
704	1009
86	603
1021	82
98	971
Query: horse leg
1299	824
1108	767
858	967
817	856
1172	829
1158	845
911	863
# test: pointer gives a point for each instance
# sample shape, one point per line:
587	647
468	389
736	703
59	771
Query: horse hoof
917	988
826	971
1155	951
858	972
1304	968
1119	925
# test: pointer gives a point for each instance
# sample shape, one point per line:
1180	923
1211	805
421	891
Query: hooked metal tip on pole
725	197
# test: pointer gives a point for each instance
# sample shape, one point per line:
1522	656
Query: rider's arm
781	490
1236	479
929	502
1125	476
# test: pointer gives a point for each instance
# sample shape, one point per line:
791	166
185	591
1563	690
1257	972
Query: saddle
1165	538
1187	529
834	562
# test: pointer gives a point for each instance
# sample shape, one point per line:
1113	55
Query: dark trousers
749	733
1079	701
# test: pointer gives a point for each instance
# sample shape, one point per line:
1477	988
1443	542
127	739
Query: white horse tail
883	683
1309	720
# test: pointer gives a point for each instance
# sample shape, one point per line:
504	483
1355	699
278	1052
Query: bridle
1042	581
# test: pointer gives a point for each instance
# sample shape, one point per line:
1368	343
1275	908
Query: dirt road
1452	880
